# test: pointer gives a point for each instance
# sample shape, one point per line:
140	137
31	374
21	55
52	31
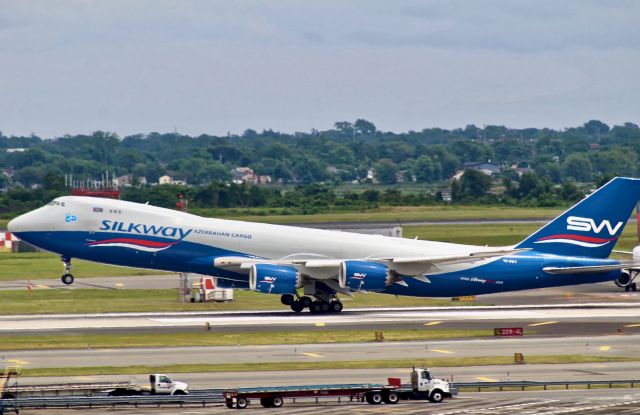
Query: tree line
556	162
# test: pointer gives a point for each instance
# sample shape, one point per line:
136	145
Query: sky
213	67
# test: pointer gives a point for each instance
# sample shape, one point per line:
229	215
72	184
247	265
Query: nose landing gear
67	278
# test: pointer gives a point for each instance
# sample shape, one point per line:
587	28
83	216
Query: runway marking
311	354
18	362
320	324
485	379
432	323
544	323
442	351
119	284
42	286
604	348
632	325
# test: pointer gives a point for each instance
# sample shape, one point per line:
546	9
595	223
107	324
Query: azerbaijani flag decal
581	240
132	243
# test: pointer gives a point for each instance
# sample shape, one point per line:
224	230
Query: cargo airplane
309	267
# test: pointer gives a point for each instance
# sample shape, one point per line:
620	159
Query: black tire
287	299
277	402
391	398
634	287
436	396
179	392
627	288
374	398
306	301
316	307
242	403
266	402
229	405
67	279
297	306
325	307
336	306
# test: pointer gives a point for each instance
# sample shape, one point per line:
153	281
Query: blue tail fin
592	227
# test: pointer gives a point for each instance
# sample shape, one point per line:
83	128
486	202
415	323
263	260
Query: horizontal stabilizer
591	269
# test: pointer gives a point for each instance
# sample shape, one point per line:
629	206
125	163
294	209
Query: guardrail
60	402
214	396
524	384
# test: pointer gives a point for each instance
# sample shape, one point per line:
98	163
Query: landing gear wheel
67	279
297	306
287	299
242	403
306	301
634	287
229	405
325	307
277	402
316	307
391	398
336	306
436	396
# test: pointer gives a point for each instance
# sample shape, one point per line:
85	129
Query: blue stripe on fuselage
517	272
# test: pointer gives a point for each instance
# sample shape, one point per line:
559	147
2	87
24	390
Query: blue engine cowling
363	276
274	279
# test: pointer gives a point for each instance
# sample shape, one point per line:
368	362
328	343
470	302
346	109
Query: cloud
217	66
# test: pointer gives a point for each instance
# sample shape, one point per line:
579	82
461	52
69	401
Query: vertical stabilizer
592	227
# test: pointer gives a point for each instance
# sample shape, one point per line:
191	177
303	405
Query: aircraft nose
17	225
23	223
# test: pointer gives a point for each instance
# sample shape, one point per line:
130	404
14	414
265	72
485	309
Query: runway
626	345
627	313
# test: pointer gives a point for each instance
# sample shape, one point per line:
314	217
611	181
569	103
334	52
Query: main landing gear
318	306
67	278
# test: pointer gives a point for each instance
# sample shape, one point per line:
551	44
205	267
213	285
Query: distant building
129	180
242	175
166	179
485	167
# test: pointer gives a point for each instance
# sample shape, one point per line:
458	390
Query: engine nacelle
624	280
363	276
274	279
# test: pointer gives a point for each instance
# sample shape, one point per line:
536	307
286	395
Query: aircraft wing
589	269
403	265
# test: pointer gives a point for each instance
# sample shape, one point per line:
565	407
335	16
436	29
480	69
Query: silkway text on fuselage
144	229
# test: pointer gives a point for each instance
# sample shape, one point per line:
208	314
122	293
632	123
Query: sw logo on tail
576	223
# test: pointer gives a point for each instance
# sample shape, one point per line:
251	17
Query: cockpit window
55	203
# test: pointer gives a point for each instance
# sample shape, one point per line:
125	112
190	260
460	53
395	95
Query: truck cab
435	389
163	385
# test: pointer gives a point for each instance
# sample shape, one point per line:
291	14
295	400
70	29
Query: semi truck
159	384
423	387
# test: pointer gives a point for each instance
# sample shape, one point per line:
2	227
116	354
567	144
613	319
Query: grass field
39	265
384	213
213	338
398	214
71	300
356	364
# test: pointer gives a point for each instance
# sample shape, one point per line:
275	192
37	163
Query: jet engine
624	280
274	279
364	276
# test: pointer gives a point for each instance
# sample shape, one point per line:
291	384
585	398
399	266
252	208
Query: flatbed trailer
434	390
